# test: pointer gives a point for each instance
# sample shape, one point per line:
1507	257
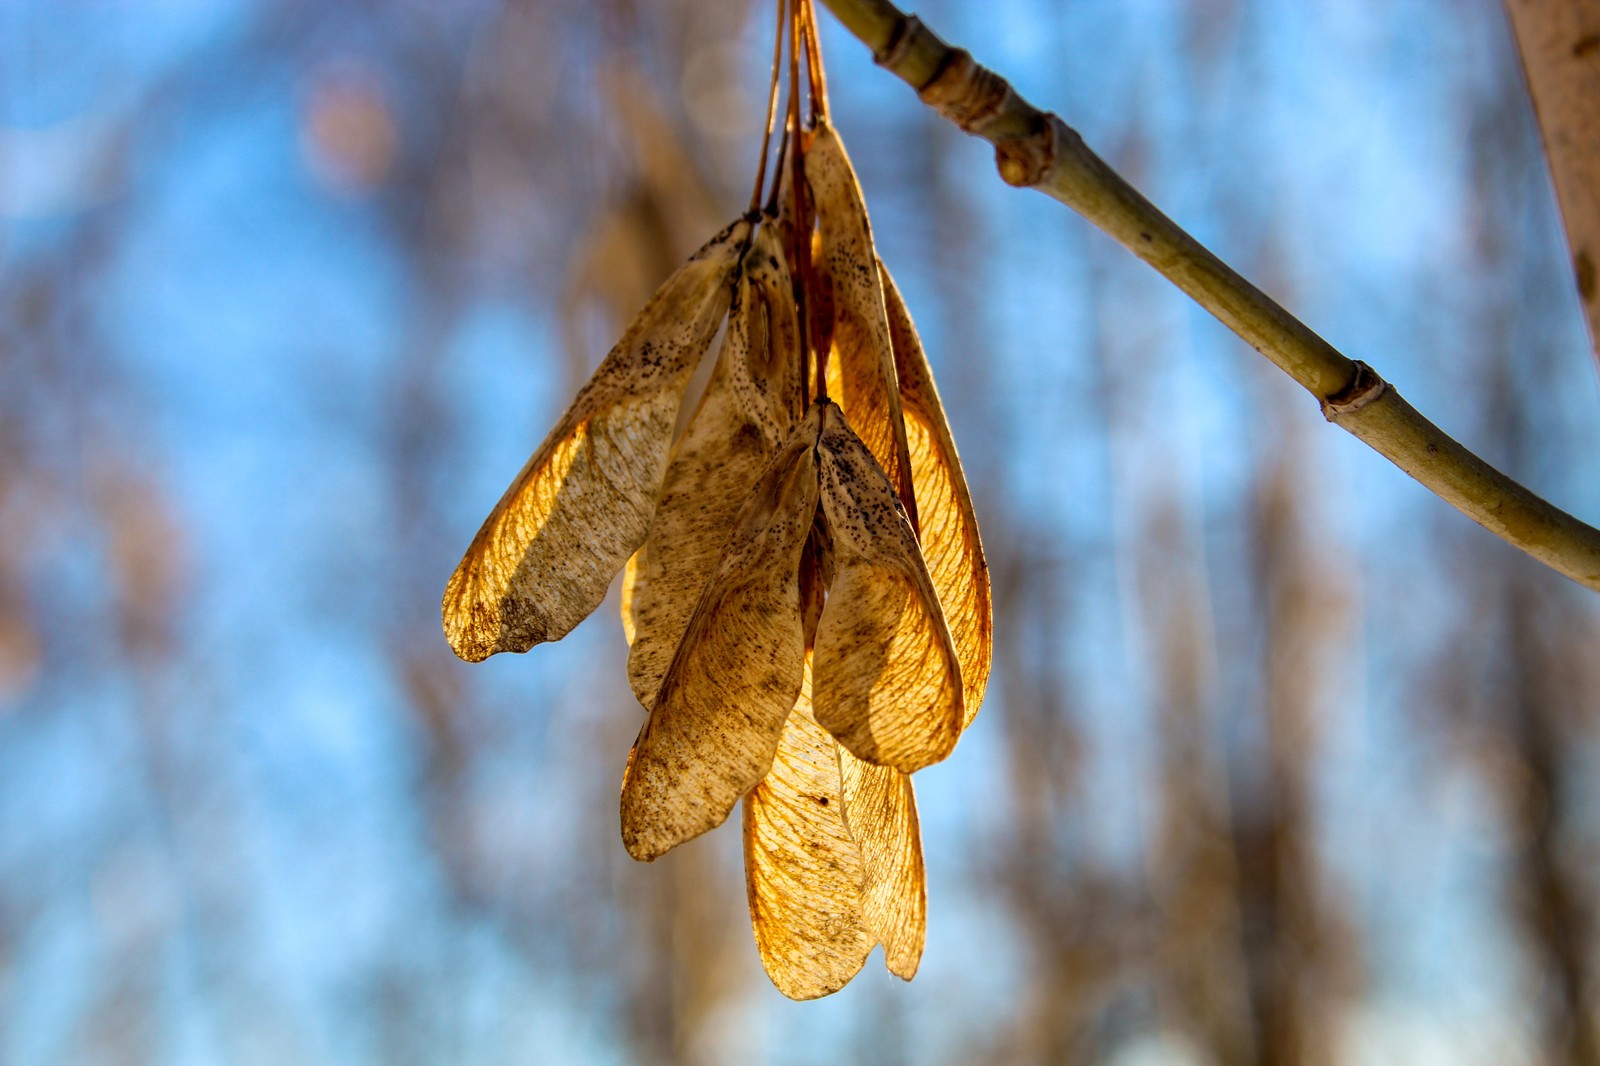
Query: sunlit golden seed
546	554
804	594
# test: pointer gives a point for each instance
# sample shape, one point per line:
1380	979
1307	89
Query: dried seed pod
880	811
803	869
888	683
948	529
833	863
868	388
717	719
748	409
543	559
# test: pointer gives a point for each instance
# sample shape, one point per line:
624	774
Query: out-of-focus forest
1283	762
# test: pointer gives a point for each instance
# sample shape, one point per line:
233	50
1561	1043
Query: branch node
1026	161
1366	387
968	94
900	43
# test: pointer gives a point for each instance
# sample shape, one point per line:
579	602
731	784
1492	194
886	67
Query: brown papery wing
632	590
803	870
948	529
888	683
869	391
749	407
880	811
716	721
545	556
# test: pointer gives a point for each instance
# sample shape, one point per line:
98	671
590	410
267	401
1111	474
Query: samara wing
543	559
888	683
748	409
716	721
948	529
865	369
880	810
803	870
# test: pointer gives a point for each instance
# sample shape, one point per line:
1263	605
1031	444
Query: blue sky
252	325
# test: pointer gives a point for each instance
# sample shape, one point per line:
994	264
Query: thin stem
801	236
773	200
819	110
818	78
795	45
1035	149
772	111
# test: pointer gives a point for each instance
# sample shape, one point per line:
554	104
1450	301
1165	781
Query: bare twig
1035	149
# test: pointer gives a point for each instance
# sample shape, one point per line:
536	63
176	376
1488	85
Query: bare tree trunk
1560	45
1194	866
1526	656
1296	959
1551	901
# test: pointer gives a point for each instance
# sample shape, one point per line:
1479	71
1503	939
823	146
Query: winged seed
546	554
863	349
888	682
748	408
715	724
803	869
880	810
763	532
948	530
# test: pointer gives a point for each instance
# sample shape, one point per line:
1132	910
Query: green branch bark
1035	149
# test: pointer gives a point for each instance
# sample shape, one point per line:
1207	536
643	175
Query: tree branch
1035	149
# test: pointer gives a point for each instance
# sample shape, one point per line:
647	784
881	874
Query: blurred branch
1555	909
1035	149
1560	45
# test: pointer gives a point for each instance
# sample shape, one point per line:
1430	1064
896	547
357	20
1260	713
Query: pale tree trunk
1560	45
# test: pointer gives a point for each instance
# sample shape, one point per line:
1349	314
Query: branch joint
1365	388
1025	162
968	94
903	41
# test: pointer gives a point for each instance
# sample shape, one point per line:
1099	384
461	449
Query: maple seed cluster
804	591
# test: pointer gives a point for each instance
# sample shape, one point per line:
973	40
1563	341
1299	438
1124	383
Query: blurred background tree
287	292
